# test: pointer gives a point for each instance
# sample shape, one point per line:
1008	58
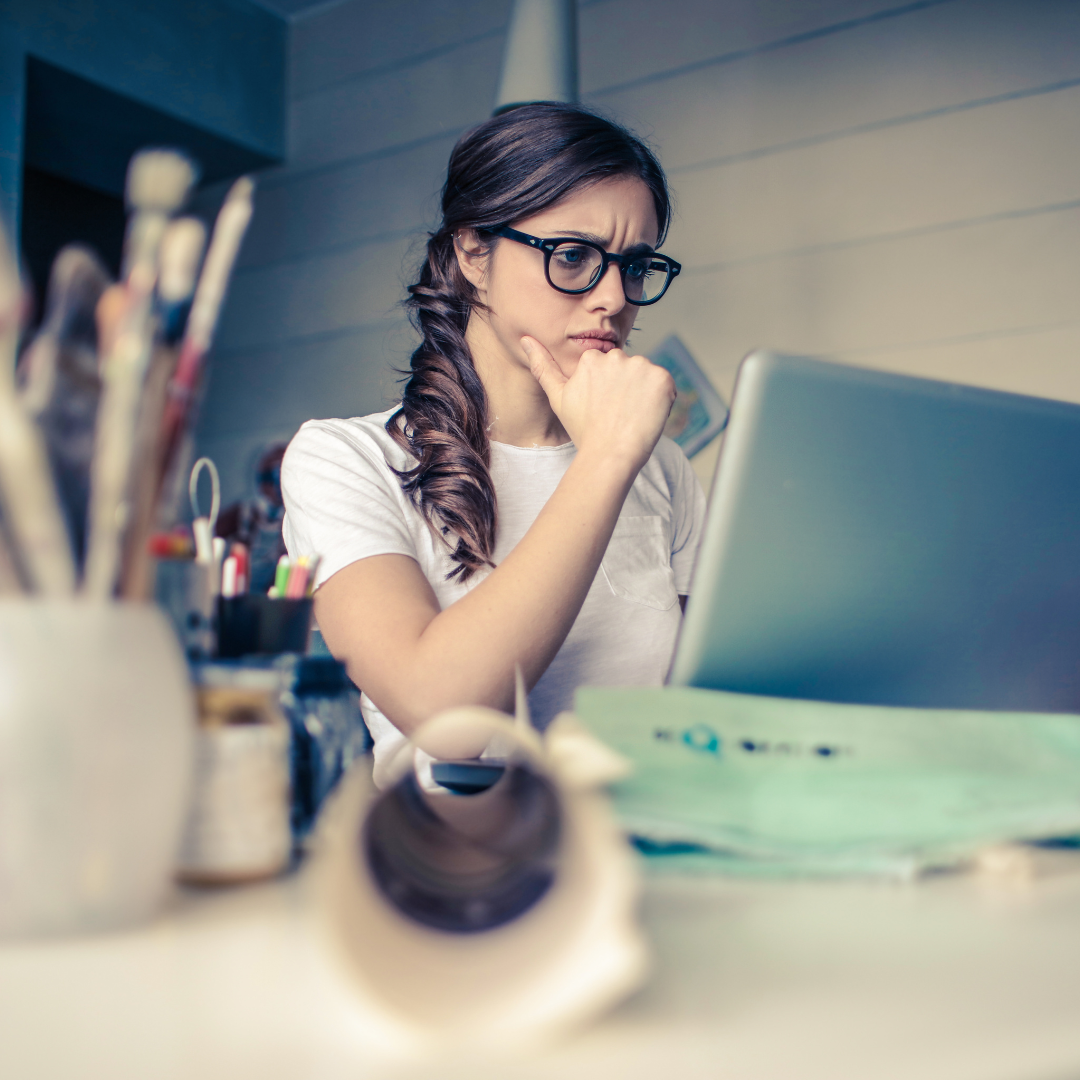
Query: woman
520	506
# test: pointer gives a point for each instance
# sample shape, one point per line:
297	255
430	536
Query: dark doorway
56	212
79	137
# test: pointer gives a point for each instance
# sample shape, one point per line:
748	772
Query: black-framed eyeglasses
576	266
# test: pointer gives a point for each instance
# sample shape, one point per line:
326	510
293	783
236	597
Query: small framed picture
699	413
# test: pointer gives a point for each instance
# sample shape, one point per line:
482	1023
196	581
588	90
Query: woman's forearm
413	659
523	611
426	660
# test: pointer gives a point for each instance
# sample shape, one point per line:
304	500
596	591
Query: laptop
882	539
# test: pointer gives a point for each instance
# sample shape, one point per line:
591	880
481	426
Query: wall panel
997	277
893	184
371	114
302	214
942	57
1021	154
635	39
344	42
325	293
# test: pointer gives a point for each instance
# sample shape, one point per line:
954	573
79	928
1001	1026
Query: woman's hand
613	403
418	658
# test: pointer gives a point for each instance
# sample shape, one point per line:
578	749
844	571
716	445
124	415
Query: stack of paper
777	787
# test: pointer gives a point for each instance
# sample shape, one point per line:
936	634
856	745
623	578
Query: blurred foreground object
40	552
60	383
96	728
490	909
777	787
111	381
181	249
229	229
158	183
238	828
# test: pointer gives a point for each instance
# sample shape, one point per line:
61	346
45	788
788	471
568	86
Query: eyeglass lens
576	266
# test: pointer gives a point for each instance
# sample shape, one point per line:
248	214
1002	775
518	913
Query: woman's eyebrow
591	237
634	249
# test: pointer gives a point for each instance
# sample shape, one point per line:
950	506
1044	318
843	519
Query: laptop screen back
883	539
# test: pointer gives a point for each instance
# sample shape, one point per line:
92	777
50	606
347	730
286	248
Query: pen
298	578
243	567
281	576
229	577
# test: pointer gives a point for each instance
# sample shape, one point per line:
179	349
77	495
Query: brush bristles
159	180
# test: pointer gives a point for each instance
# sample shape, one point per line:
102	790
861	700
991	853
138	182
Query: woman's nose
607	294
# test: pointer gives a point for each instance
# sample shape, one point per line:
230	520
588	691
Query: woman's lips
602	341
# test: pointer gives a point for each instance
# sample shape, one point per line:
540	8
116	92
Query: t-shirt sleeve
342	502
688	506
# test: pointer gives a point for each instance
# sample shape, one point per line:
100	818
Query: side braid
442	421
505	169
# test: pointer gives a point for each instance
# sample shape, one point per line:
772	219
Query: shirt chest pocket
637	563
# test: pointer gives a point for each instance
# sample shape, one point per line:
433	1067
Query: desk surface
957	976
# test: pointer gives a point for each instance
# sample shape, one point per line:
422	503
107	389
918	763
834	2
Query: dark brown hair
507	168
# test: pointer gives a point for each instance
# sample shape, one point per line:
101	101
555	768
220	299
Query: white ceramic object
560	962
96	736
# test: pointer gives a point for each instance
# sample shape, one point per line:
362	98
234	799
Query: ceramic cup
96	742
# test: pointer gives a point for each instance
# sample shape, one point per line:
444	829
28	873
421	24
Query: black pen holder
252	624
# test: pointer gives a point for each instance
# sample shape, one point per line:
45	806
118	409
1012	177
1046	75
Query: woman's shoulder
358	441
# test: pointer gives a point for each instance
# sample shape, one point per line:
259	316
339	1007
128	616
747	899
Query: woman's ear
471	256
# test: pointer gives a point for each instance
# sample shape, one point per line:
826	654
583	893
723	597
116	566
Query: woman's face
617	214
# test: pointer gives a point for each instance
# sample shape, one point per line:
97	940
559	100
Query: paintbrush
181	249
32	514
232	222
60	382
158	183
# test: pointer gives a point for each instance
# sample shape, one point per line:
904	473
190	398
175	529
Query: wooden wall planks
894	184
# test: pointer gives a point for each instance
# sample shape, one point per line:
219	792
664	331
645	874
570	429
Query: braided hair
507	168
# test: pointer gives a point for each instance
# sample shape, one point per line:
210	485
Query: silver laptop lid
884	539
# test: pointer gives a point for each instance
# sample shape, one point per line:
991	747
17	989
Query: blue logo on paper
702	737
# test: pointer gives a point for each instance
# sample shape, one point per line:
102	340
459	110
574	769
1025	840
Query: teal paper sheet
737	783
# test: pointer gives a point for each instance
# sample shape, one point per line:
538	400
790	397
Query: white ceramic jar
96	741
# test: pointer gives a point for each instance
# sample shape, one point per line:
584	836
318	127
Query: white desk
952	977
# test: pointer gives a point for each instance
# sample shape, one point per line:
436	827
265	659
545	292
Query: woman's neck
518	409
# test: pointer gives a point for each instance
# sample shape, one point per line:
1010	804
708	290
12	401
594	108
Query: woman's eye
571	256
637	271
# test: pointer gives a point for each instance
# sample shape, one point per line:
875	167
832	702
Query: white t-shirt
343	502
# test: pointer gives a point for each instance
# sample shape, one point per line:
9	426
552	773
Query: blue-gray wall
893	183
217	65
